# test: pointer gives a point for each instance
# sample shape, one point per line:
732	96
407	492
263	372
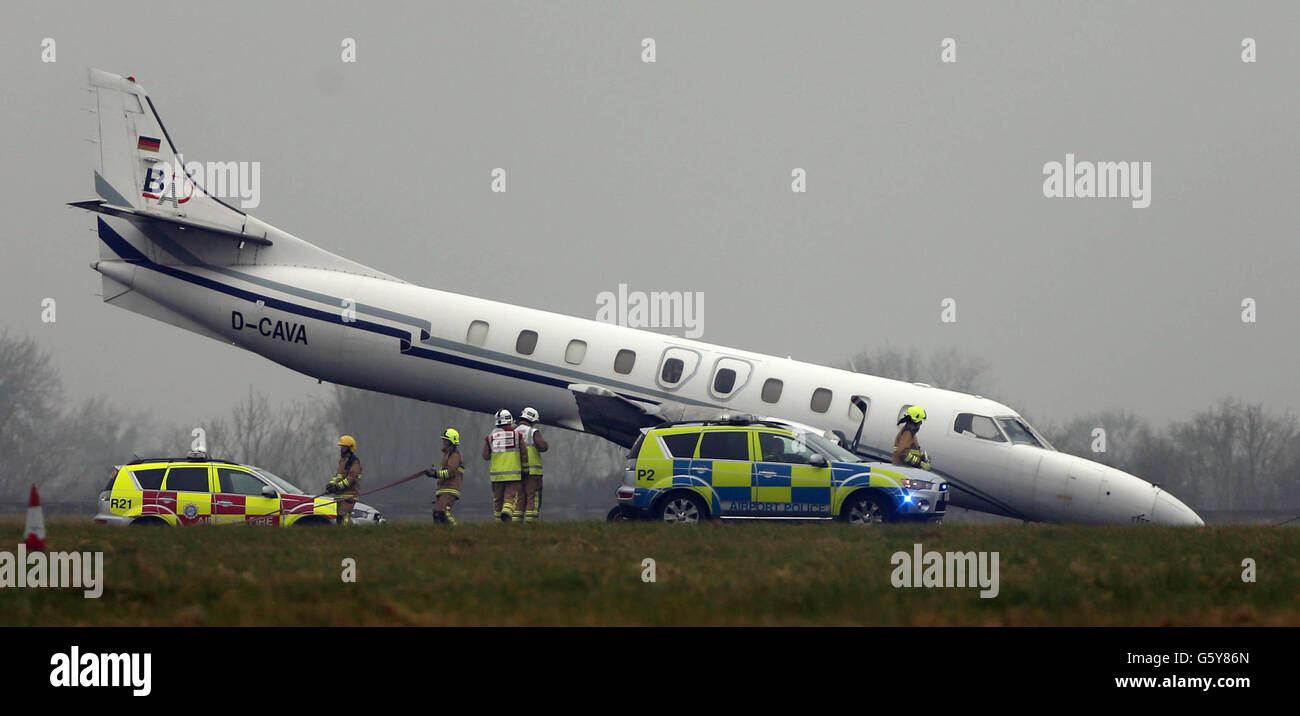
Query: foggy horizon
924	181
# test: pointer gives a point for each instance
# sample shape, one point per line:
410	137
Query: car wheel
866	508
312	522
681	508
148	522
621	514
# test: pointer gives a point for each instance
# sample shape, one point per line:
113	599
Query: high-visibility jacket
504	465
533	466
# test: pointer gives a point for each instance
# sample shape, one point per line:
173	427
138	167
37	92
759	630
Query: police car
199	490
742	467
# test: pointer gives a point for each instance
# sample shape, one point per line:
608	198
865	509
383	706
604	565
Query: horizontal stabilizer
140	218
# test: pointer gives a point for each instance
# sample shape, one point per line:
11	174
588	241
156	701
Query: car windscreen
280	482
829	448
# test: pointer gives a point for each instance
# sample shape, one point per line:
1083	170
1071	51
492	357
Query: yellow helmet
451	435
916	414
347	442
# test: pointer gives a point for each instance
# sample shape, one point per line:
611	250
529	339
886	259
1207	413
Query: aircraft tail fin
163	212
139	167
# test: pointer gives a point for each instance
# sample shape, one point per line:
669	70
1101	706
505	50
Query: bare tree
1230	456
950	368
1239	453
30	401
292	441
92	439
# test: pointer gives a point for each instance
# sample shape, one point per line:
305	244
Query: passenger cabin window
724	381
677	366
150	479
821	400
681	444
576	352
977	426
238	482
672	372
780	448
772	390
729	376
477	333
725	445
624	361
526	343
188	479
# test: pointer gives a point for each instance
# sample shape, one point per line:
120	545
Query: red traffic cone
35	539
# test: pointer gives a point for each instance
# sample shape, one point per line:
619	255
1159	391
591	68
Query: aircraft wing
612	416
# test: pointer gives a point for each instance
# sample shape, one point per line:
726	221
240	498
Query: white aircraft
173	253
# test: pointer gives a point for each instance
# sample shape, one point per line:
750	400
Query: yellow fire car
199	490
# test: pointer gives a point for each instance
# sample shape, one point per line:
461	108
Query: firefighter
449	475
347	481
534	445
505	454
907	449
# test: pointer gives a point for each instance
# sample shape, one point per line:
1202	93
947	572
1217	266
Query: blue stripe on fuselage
131	254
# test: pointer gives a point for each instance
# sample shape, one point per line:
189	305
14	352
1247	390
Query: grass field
590	573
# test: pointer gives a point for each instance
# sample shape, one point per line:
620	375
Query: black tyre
313	522
148	522
681	508
866	508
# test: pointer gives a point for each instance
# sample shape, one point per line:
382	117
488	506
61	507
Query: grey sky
924	179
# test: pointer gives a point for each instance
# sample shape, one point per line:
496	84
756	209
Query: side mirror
268	491
817	460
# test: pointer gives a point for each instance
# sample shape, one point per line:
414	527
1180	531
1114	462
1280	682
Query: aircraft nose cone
1169	510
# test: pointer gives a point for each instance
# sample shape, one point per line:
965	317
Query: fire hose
395	483
312	505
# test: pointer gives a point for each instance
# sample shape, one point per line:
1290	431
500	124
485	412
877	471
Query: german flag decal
148	144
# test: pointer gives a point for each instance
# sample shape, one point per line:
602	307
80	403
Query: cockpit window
977	426
1019	432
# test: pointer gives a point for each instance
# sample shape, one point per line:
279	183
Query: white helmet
504	417
530	414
